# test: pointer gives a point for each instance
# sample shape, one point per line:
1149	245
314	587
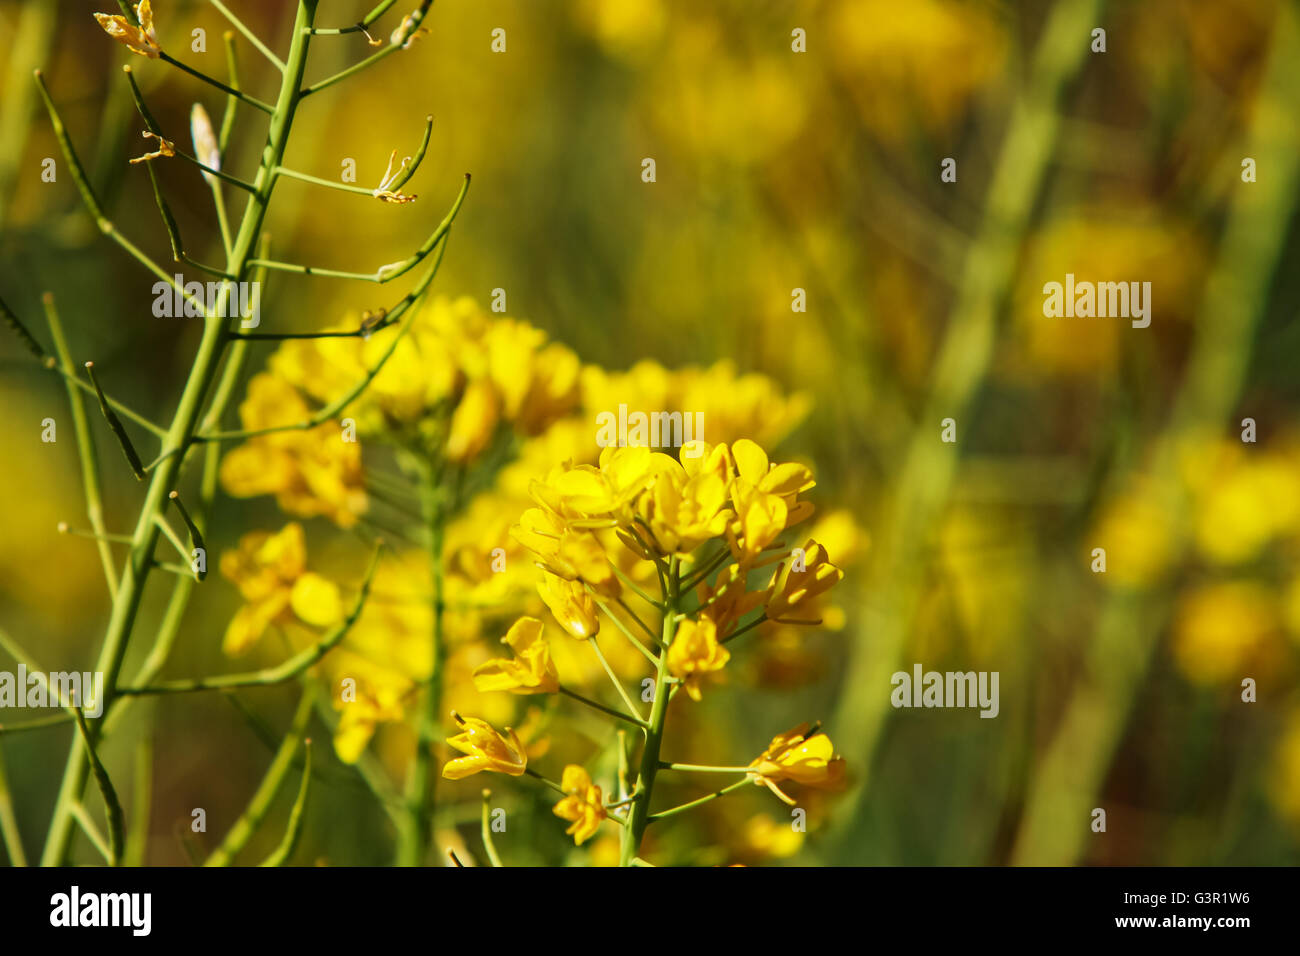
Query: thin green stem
260	804
632	638
249	35
613	677
639	815
602	708
702	800
385	273
88	456
282	853
270	676
485	828
243	97
13	838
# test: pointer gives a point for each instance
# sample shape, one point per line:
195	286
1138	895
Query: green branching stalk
208	383
282	853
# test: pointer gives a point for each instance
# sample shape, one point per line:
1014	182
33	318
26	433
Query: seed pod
205	141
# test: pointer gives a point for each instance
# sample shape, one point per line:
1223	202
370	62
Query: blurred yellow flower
531	671
375	703
312	472
486	750
473	422
270	571
1219	628
694	652
584	804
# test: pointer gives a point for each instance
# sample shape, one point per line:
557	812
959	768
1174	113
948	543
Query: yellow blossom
270	571
473	422
695	651
573	608
800	755
583	804
485	749
141	39
794	590
531	671
311	472
683	512
727	601
375	703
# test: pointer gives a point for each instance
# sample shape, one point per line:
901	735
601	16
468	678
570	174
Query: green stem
260	804
8	822
704	799
86	445
206	363
601	707
485	827
639	816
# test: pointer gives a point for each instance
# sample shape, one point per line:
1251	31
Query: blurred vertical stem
202	374
417	829
85	445
1070	775
922	488
13	839
28	48
639	812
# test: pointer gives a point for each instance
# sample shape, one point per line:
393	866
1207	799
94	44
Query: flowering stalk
639	814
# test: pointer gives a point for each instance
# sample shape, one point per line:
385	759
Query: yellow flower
140	39
683	512
486	750
1220	628
695	651
569	553
531	672
793	590
801	755
311	472
765	497
603	497
584	804
473	421
727	601
270	571
375	703
573	608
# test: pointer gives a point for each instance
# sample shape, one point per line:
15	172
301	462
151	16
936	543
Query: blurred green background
778	170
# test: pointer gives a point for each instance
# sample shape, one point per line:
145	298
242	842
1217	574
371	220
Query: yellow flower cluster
279	591
453	377
595	531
